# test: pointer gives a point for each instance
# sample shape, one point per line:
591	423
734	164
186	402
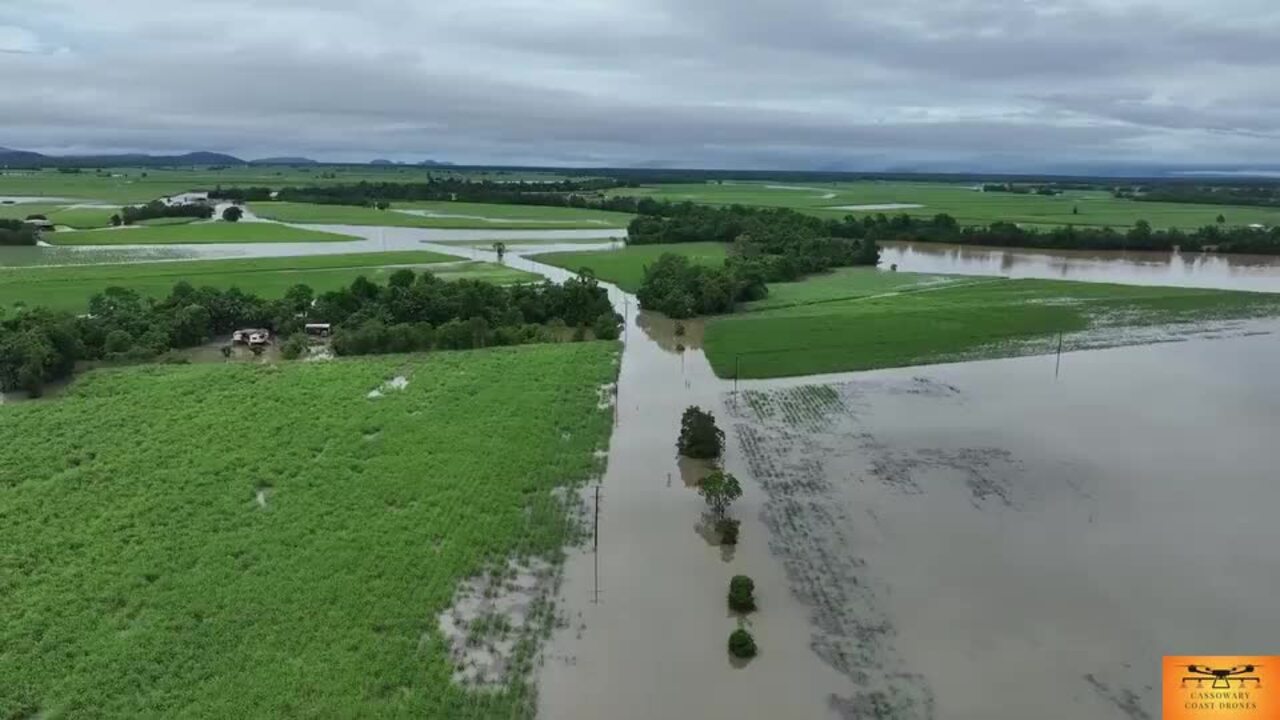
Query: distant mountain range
26	159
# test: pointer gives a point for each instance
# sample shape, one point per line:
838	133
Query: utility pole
596	598
737	367
1058	365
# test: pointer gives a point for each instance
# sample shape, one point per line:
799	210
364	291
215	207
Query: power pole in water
596	548
1058	365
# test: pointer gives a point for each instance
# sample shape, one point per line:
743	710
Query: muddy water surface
982	541
1230	272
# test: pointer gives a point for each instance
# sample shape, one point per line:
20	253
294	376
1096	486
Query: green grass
140	578
983	318
481	216
196	234
625	266
964	203
161	221
62	214
69	288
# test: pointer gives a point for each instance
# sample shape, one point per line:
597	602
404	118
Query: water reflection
1207	270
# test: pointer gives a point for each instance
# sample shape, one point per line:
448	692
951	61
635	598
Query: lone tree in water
500	249
720	489
232	214
699	436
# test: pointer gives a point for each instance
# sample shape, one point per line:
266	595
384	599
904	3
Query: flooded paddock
1260	273
985	541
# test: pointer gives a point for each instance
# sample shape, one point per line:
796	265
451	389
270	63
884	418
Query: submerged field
196	234
961	201
625	267
444	215
847	322
69	288
272	541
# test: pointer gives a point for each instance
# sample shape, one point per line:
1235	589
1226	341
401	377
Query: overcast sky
820	84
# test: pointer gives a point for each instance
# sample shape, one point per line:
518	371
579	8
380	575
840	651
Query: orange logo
1221	687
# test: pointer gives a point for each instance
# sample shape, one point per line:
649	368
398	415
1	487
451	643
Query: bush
295	347
728	530
742	594
606	326
699	436
741	644
232	214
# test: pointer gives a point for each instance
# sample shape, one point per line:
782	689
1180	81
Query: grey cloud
751	83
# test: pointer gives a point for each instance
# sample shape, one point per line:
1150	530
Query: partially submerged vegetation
981	318
268	541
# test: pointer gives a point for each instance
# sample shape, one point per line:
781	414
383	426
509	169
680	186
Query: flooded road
364	239
1228	272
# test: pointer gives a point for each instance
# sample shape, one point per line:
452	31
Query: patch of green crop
982	318
444	215
625	266
267	541
70	288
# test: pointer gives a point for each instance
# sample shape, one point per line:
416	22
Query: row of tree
766	245
1258	195
412	312
17	232
155	209
944	228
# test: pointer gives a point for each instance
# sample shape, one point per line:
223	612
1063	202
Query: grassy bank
444	215
196	234
625	266
69	288
834	329
268	541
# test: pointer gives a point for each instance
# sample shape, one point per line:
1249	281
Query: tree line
766	245
131	214
944	228
413	311
1255	195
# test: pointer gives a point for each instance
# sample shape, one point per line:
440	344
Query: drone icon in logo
1221	678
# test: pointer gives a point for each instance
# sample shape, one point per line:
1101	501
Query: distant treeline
1017	189
768	245
944	228
17	232
156	209
414	311
561	193
1255	195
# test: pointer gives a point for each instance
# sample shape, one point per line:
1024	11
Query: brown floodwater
1231	272
1002	542
979	540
